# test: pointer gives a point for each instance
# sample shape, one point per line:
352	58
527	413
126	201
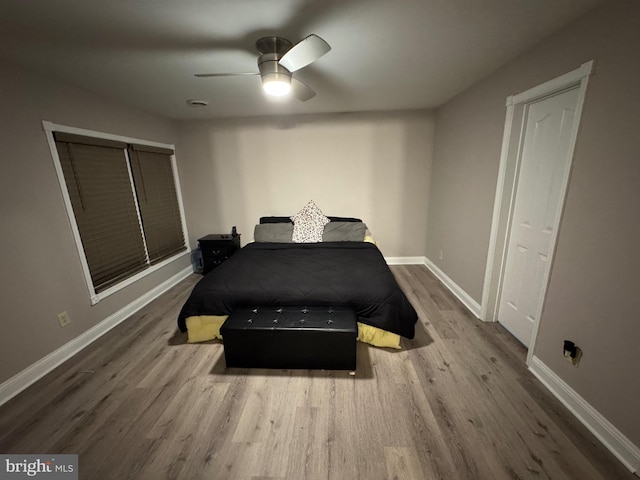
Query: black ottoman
312	337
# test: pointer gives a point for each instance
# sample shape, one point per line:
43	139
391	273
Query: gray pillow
273	233
344	232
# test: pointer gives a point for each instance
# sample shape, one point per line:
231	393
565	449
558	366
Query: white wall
371	166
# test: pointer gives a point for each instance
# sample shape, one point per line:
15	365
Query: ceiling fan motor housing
269	67
271	51
276	45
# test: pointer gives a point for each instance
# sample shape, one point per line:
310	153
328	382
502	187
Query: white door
545	158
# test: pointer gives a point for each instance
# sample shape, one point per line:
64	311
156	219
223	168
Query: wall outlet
64	319
440	255
572	353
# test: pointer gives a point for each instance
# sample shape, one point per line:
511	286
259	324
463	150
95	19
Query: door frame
510	157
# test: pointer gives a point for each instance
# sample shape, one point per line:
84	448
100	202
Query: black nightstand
216	248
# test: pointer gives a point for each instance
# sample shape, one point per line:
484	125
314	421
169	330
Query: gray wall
40	271
372	166
593	293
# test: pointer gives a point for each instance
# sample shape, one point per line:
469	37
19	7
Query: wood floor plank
310	435
457	402
402	462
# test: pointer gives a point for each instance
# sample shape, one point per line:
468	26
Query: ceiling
386	55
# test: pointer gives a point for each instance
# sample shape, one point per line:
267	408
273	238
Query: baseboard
405	260
36	371
609	435
454	288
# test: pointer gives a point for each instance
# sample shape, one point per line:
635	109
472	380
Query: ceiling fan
278	59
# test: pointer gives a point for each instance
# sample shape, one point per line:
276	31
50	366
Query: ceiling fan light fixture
276	85
276	80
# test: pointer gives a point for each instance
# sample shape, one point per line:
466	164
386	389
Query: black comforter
340	273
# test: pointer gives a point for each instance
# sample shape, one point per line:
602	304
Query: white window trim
49	128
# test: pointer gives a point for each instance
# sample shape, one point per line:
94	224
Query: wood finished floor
456	403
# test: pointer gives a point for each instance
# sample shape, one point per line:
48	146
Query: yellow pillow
377	337
203	328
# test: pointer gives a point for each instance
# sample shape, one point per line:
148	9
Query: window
123	204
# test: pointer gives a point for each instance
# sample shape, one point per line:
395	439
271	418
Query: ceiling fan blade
303	53
301	90
203	75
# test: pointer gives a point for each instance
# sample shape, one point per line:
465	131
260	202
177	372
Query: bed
343	269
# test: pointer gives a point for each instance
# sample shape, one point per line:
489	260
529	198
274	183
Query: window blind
99	187
157	200
124	202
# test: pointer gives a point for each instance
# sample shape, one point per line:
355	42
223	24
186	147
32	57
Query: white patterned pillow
308	224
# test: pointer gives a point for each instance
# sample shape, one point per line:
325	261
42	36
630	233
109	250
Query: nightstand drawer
216	248
215	251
